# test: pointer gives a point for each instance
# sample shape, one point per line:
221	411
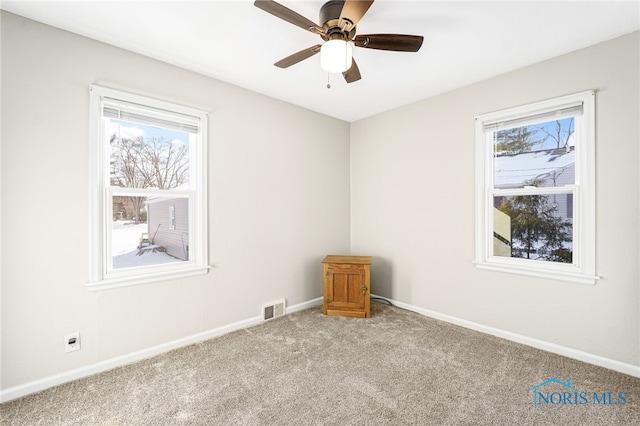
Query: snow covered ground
124	247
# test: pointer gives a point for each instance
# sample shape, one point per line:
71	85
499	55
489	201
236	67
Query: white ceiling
238	43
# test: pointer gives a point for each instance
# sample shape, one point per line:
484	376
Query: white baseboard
611	364
78	373
89	370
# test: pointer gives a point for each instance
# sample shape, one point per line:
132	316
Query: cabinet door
345	287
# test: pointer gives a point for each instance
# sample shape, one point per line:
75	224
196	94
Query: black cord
381	299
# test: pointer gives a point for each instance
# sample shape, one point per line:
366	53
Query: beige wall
279	202
412	183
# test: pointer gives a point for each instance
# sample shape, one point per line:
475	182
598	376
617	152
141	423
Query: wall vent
273	310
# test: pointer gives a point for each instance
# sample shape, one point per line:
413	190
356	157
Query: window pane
144	156
540	155
537	227
141	231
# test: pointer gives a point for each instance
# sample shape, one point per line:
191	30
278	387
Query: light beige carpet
395	368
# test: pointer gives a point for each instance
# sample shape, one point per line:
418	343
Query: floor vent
273	310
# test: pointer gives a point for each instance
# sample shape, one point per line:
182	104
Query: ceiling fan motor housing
330	18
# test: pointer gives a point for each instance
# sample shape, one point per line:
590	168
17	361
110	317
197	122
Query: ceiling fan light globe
336	55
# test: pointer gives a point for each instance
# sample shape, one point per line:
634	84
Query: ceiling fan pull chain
328	81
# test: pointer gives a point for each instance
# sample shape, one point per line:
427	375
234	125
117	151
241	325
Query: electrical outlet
72	342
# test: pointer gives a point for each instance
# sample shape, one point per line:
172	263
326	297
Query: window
148	189
535	189
172	217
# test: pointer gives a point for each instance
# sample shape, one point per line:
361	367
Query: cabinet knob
364	289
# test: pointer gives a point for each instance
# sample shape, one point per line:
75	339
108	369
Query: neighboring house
168	222
550	167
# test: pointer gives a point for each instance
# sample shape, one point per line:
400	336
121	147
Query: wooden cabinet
347	285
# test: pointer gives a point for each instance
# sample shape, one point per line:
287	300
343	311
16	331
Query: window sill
110	283
553	274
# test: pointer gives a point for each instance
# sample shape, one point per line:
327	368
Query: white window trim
582	270
101	278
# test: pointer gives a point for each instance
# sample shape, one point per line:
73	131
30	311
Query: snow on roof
512	171
160	198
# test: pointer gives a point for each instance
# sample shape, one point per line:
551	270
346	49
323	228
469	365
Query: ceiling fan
339	19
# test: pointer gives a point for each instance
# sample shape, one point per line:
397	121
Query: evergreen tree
536	230
516	140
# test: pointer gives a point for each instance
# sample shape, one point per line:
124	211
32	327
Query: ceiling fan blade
298	56
395	42
352	12
282	12
353	73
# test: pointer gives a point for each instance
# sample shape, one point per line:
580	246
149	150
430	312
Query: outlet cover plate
72	342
